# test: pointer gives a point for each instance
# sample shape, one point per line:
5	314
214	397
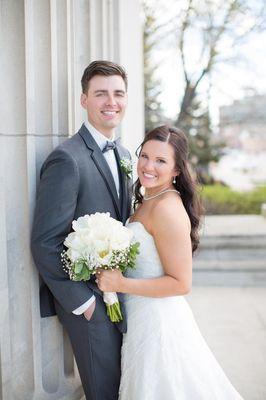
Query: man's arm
55	207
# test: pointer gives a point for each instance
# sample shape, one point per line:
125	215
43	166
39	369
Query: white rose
80	243
72	240
121	238
82	223
97	235
74	255
101	246
100	219
100	232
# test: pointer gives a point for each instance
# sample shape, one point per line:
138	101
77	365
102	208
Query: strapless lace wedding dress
164	356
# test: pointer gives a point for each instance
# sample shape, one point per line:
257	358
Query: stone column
45	45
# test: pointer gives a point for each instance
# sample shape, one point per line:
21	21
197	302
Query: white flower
97	235
74	255
82	223
121	238
77	241
126	166
98	241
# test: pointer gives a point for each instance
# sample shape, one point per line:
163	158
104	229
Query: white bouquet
99	241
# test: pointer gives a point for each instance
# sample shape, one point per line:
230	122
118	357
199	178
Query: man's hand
88	313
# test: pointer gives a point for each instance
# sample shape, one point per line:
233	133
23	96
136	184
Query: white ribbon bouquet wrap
99	241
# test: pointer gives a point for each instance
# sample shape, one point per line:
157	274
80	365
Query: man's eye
160	161
143	156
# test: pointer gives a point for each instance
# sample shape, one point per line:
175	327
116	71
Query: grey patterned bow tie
109	146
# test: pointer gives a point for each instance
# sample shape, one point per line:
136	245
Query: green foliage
134	251
204	146
81	271
131	257
218	199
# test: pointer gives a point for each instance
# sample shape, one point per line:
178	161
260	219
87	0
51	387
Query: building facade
45	46
243	130
243	124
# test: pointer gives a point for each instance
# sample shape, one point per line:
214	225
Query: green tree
204	146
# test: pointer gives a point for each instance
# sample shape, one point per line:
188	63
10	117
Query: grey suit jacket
75	180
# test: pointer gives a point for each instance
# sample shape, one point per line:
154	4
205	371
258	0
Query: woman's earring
174	179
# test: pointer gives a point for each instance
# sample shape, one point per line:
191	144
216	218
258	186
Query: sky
245	76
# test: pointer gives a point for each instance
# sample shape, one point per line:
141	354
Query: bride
164	355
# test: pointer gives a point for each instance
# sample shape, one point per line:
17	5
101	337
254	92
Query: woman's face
156	165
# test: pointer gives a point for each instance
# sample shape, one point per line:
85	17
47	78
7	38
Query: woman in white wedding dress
164	356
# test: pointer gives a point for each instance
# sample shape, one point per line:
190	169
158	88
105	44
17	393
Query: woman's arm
171	233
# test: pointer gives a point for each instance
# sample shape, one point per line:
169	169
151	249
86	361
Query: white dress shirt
109	155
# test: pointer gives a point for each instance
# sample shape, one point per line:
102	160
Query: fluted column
45	46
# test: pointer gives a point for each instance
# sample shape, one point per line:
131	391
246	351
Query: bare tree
218	27
208	35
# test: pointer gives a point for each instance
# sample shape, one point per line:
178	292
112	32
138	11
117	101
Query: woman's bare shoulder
169	211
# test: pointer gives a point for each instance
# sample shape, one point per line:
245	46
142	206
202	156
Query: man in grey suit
82	176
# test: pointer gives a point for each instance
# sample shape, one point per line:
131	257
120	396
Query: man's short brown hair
104	68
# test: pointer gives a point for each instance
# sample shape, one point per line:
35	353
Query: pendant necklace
159	194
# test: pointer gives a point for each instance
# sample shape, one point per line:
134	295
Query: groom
83	176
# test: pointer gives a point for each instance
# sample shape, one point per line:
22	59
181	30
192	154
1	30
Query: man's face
105	102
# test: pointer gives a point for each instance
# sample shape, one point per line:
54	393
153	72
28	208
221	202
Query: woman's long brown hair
185	184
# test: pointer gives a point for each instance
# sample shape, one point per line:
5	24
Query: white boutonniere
126	166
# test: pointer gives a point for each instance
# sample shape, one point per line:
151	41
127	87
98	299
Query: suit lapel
101	165
124	178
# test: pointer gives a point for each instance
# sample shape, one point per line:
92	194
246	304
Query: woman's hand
110	280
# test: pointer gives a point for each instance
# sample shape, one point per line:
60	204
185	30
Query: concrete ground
228	298
233	322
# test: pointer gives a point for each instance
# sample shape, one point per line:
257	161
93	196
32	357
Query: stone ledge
229	265
233	241
233	225
229	278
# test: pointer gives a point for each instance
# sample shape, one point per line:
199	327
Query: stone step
233	241
227	265
230	277
230	260
233	225
240	258
232	251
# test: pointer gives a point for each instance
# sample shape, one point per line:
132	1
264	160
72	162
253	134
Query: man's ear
83	100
